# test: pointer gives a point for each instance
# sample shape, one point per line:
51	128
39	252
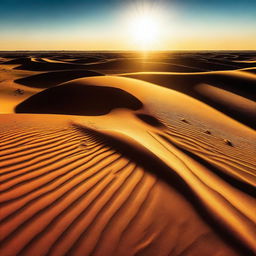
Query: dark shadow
49	79
149	120
21	60
144	158
186	84
49	66
77	99
243	186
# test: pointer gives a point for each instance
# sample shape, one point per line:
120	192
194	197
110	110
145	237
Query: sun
146	30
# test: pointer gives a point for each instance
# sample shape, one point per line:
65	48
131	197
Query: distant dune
112	154
49	79
232	92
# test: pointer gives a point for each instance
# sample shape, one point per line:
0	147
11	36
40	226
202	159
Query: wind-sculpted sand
152	162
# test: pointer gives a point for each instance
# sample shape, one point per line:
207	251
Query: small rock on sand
19	91
184	120
228	142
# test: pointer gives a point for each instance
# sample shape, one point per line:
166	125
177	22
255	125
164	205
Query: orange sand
141	163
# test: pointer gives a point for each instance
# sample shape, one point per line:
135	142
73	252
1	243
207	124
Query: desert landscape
127	153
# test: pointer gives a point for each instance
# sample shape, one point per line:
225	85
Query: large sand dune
142	163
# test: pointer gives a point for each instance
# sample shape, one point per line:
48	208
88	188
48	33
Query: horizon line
111	50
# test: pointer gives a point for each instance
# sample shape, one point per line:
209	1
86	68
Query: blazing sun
146	29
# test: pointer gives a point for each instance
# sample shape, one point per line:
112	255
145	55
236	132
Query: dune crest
109	162
87	188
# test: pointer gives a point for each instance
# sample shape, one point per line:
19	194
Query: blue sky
23	22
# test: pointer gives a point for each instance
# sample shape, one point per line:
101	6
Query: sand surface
127	154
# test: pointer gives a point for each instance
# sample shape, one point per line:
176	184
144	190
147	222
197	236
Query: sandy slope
110	165
232	92
66	188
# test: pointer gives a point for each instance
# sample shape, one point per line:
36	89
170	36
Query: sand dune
65	182
143	163
121	62
22	60
49	79
79	99
232	92
40	64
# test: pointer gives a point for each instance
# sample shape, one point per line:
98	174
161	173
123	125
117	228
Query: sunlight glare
146	29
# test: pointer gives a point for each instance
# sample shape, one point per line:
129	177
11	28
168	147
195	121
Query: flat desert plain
126	153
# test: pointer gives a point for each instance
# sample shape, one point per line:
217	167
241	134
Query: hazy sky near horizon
107	24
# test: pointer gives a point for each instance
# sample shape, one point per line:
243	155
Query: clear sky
127	24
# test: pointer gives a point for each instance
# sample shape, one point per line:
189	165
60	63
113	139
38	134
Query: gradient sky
105	24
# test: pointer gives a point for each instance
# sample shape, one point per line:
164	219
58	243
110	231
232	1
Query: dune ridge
232	92
84	159
117	161
49	79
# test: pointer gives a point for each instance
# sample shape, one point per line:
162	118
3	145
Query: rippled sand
119	154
